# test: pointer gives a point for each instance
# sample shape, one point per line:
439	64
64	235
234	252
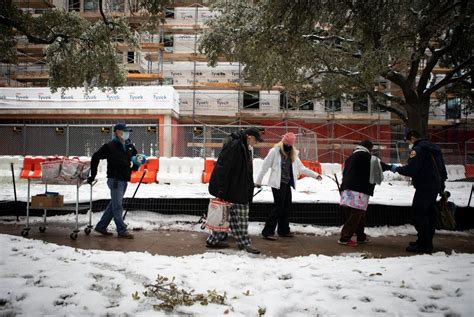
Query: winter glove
90	180
393	168
141	158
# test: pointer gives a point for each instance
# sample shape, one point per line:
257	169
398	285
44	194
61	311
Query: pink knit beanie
289	138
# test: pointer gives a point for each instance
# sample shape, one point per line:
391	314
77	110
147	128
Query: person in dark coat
427	170
122	158
361	172
232	181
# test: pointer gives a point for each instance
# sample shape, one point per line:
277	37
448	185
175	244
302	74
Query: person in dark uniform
122	158
426	168
232	181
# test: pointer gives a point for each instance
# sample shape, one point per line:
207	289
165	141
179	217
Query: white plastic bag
86	168
50	170
71	169
218	215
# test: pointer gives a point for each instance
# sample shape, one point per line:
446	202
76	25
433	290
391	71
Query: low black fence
307	213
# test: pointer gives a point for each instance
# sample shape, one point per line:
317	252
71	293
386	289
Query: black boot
249	249
418	249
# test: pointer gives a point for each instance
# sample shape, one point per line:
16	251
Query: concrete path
181	243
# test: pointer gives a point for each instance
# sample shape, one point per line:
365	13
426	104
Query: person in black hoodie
426	168
122	158
361	172
232	181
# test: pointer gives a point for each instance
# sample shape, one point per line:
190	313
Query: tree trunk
418	116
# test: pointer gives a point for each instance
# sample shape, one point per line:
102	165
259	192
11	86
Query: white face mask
410	146
125	135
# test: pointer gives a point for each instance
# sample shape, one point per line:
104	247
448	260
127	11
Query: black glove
90	179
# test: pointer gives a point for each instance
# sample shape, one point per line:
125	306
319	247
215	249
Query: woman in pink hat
286	168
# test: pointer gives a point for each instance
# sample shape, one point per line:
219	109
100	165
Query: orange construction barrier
314	166
151	167
208	168
27	167
469	170
31	167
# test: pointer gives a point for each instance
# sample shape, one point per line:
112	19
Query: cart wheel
73	236
24	233
87	230
42	229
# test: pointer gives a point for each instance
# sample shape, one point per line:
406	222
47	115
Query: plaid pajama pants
239	223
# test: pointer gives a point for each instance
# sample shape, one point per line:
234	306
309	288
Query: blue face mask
125	135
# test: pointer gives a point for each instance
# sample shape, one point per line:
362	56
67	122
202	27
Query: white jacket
273	161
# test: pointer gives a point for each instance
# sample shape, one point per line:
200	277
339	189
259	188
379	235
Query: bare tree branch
399	112
395	77
449	77
321	38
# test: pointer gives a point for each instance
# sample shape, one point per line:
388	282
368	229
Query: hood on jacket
240	135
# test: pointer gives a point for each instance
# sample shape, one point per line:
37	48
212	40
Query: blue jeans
114	208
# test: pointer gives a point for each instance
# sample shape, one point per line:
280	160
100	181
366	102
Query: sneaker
249	249
349	243
287	235
271	237
218	245
125	235
103	232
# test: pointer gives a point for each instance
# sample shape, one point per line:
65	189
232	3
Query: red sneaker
349	243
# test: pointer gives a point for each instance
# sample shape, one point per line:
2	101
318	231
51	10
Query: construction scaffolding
220	96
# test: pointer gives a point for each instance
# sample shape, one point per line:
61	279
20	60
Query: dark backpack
445	213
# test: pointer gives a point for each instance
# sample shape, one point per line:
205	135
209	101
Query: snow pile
40	279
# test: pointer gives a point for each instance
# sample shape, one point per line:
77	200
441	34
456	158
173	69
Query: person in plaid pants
232	181
239	222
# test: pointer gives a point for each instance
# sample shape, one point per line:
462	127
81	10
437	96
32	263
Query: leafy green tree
348	47
79	53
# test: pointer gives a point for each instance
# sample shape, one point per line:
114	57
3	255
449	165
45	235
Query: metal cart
42	228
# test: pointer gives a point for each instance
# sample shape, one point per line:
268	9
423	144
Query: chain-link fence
206	140
70	140
199	140
469	152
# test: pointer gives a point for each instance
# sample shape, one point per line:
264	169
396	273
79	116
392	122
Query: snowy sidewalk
183	243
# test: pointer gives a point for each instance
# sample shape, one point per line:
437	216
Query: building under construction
213	101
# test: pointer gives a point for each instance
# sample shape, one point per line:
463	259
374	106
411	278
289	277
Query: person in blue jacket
426	168
122	158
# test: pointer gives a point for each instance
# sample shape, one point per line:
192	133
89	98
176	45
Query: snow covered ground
391	192
40	279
